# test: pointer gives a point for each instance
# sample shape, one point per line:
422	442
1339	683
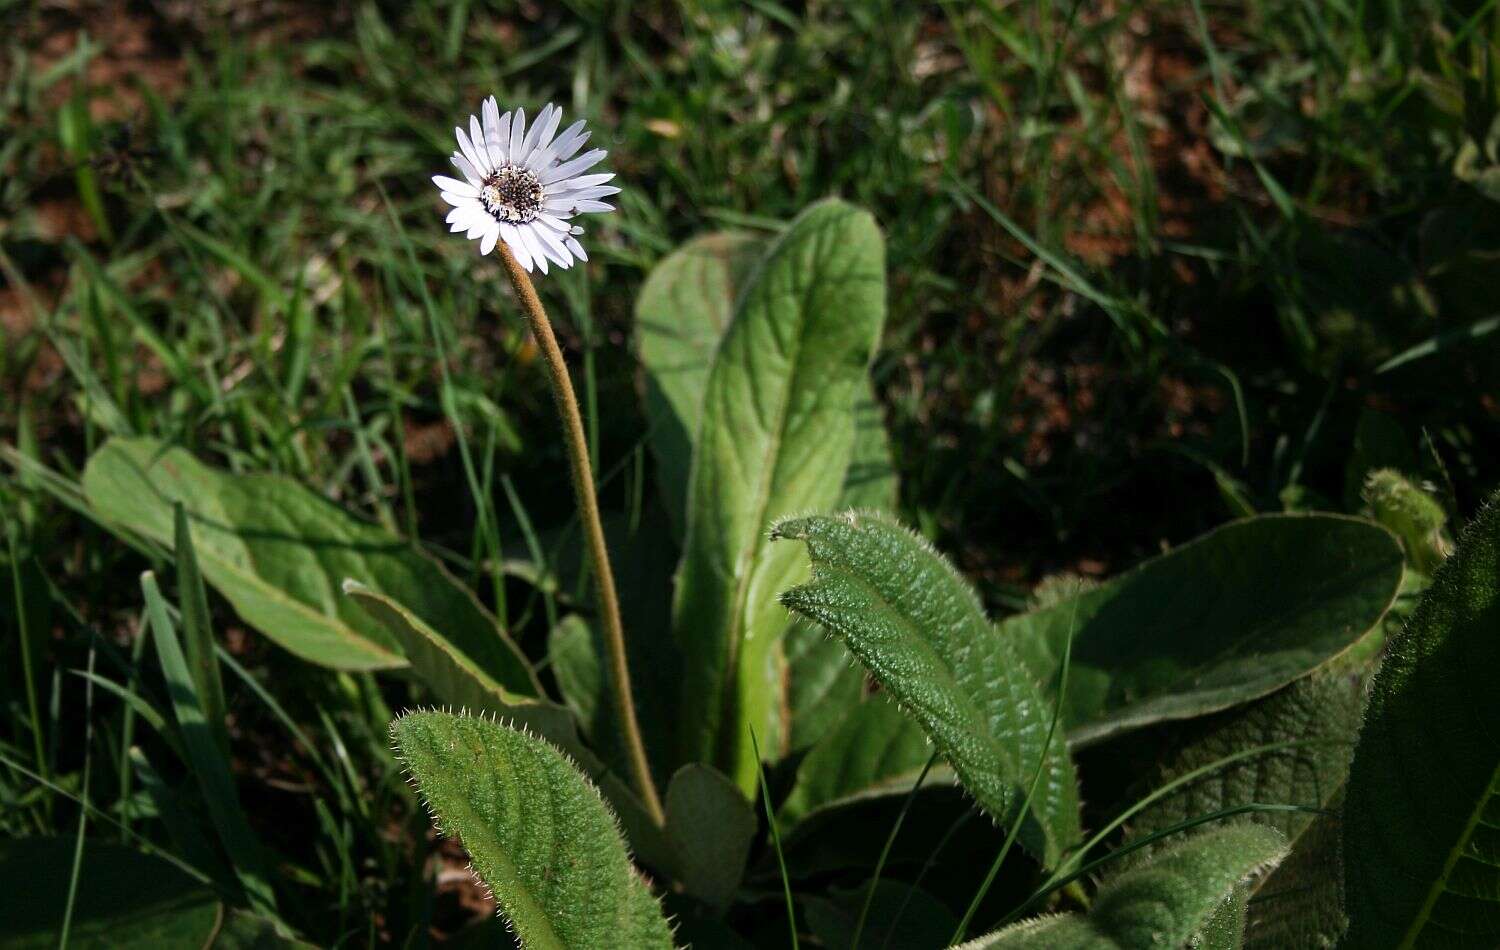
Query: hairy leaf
876	750
919	628
458	681
1226	618
1422	809
536	830
776	436
1321	713
1163	902
278	552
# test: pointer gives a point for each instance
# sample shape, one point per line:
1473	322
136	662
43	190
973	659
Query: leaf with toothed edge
919	629
538	833
1166	901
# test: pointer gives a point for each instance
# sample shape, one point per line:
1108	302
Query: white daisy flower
524	187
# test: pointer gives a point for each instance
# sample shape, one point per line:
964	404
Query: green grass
1149	269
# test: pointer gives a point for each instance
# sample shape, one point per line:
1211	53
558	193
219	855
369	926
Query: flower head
523	186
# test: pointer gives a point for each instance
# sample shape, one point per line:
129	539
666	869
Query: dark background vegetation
1153	265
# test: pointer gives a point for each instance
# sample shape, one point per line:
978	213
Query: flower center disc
512	194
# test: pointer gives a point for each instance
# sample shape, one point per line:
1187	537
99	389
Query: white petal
565	152
561	142
528	145
567	207
467	148
458	200
535	159
568	169
555	223
455	186
578	194
502	138
584	181
462	219
576	248
466	169
512	238
551	245
492	132
534	247
517	135
491	235
476	135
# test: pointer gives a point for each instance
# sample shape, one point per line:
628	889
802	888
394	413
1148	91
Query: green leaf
125	899
683	309
900	916
278	553
207	760
577	667
458	681
711	828
1226	618
871	479
919	628
1422	813
1321	713
537	832
823	683
1165	901
197	631
450	672
776	436
876	750
1301	903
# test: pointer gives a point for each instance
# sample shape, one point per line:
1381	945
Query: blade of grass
786	880
83	815
28	669
207	762
197	633
885	852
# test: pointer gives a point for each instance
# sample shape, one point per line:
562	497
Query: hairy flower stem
593	529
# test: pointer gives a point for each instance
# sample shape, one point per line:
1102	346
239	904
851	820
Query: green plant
1160	296
1240	646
